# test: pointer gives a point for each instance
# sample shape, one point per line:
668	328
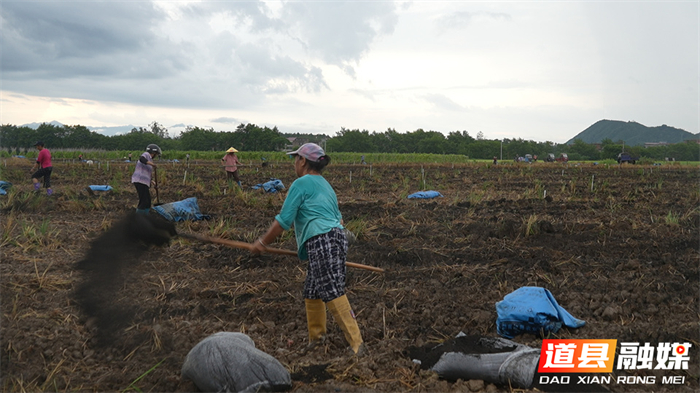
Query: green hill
632	133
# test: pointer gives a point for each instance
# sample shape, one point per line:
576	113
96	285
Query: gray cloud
225	120
252	13
277	74
217	58
49	40
125	52
340	32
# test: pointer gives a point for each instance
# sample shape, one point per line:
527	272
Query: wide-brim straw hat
231	150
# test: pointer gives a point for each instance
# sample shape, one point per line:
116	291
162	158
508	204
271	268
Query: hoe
246	246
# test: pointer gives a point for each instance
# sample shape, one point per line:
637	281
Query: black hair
320	164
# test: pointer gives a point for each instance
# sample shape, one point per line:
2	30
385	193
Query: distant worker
231	163
80	157
495	160
129	156
142	178
363	160
43	168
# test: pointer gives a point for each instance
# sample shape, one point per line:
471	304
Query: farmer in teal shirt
312	207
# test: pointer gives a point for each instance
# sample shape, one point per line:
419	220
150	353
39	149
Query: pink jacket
44	158
231	162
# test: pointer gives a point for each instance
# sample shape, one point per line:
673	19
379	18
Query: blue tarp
532	310
4	186
273	185
425	195
101	188
183	210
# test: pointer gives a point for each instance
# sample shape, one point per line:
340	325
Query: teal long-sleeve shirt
312	207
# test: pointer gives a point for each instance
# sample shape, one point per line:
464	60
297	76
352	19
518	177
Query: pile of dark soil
429	354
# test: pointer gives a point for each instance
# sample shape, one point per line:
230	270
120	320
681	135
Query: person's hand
257	247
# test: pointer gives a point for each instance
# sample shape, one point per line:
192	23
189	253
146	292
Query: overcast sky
542	70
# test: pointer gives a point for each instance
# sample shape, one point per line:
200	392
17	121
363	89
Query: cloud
225	120
340	33
277	74
443	102
364	93
367	65
183	55
50	40
462	19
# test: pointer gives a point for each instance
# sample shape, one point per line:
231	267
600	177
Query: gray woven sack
229	362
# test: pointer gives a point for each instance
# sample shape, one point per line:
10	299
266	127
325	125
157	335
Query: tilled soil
616	245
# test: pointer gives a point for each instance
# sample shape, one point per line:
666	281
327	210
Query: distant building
294	143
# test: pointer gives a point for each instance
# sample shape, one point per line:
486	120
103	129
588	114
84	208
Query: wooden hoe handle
246	246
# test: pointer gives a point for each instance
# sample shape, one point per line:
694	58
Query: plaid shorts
325	278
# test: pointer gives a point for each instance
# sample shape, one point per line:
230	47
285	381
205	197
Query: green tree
201	139
51	135
158	130
352	141
13	137
581	150
254	138
459	143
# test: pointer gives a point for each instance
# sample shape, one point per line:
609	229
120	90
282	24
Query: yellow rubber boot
343	315
315	318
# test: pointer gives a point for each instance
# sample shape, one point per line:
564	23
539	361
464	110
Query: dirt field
616	246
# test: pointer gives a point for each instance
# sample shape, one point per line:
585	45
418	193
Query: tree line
250	137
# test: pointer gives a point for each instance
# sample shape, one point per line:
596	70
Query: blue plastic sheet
101	188
4	186
273	185
184	210
425	195
532	310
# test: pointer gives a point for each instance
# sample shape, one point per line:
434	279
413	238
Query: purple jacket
142	174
